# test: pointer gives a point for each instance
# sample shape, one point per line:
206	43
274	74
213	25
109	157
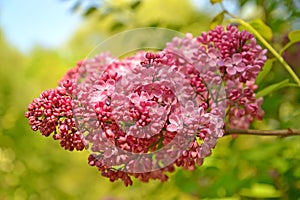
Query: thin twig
282	133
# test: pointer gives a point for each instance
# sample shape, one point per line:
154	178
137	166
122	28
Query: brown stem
282	133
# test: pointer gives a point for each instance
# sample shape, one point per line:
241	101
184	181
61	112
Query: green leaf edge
273	87
217	20
265	70
215	1
294	37
264	30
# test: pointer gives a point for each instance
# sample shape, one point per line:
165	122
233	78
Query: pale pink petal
237	58
241	67
174	119
110	83
231	70
172	128
134	98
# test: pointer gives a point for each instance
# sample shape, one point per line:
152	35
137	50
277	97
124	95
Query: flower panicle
149	113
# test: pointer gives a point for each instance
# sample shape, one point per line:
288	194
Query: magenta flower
144	115
234	65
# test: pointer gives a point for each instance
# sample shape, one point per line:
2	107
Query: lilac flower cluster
52	113
231	57
144	115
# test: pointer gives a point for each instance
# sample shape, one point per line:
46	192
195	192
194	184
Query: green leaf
243	2
215	1
259	190
116	26
90	11
135	4
294	37
265	70
262	29
154	24
272	88
217	20
105	13
296	14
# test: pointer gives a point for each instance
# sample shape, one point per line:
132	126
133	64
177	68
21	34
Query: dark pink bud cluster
144	115
241	57
52	113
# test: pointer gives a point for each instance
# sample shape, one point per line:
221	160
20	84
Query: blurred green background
247	167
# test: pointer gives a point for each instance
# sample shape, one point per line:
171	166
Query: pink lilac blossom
237	58
144	115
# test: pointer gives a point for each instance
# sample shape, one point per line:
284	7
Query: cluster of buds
144	115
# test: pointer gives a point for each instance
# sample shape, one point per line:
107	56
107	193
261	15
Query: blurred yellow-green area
34	167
